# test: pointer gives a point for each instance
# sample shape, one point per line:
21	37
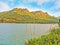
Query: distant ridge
18	15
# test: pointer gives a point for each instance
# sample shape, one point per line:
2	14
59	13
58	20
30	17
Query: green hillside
18	15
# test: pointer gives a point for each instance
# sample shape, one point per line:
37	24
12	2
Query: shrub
53	38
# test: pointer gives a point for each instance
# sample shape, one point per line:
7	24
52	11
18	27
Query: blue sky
50	6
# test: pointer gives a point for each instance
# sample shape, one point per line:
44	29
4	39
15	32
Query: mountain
18	15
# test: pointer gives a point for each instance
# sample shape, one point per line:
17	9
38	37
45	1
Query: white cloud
57	3
3	6
11	2
29	1
56	14
39	2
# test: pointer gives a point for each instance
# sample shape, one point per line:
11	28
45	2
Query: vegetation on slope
18	15
53	38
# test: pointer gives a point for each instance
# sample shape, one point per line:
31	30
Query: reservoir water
15	34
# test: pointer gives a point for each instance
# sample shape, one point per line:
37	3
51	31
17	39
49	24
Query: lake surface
16	34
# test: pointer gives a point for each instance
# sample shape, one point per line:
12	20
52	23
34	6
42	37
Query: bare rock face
19	9
26	10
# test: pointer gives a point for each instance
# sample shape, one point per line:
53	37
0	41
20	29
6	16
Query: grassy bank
53	38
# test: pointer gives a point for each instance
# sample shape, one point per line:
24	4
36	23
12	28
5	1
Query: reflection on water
15	34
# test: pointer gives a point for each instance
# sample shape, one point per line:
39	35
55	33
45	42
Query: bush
53	38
